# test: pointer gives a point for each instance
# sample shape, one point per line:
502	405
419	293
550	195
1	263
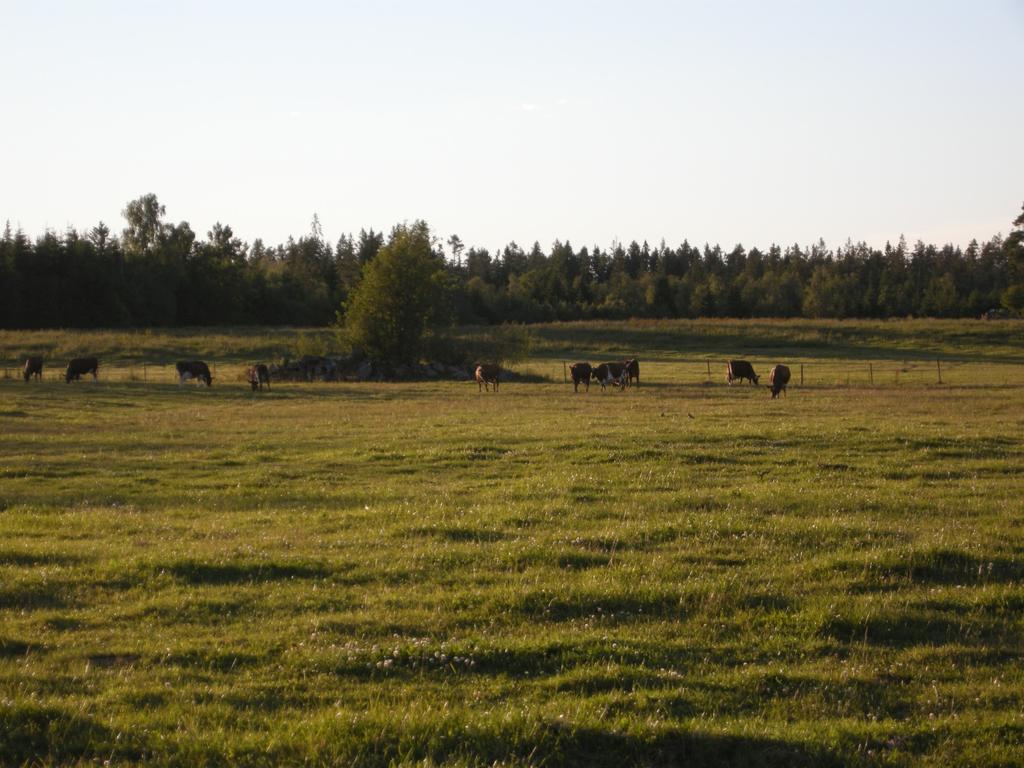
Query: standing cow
778	378
612	373
632	371
259	375
193	369
34	367
738	370
581	373
79	366
487	374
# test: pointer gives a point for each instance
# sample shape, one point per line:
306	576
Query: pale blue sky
726	122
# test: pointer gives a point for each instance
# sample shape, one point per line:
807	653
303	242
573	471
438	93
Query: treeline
158	273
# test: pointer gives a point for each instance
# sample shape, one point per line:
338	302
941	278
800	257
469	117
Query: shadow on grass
10	648
202	573
459	535
939	567
33	559
35	735
32	734
558	744
908	630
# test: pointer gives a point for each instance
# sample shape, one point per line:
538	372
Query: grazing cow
778	378
259	375
81	365
34	367
487	374
738	370
581	373
193	369
632	371
611	373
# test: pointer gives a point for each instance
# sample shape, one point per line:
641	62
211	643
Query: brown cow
738	370
487	374
611	373
581	373
34	367
778	378
259	375
81	365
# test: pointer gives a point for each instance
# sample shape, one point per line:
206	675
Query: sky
588	121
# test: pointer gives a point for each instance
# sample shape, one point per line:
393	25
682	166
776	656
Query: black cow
34	367
193	369
632	371
259	375
581	373
611	373
778	378
738	370
81	365
487	374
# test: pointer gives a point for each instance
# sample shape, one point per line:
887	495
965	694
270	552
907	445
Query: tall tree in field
457	246
143	217
401	297
1013	297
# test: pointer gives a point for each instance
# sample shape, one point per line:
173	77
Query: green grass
379	574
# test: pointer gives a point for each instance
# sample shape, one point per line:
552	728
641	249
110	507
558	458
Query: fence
832	373
809	373
150	373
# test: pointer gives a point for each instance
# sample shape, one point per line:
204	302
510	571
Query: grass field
376	574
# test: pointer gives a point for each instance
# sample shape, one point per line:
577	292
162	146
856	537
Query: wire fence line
837	372
155	373
808	373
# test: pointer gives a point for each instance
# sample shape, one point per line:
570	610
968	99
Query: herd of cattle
257	375
622	374
627	372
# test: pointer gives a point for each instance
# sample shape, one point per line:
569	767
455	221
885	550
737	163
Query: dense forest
158	273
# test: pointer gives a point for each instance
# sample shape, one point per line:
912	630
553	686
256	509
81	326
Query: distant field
968	340
860	352
377	574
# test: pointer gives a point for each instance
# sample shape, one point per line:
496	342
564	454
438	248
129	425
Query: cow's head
755	377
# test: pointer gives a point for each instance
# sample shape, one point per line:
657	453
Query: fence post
565	376
871	375
938	369
801	374
709	369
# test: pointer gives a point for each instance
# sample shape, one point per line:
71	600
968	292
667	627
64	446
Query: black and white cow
193	369
79	366
738	370
612	373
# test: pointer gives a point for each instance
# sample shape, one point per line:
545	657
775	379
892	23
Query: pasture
403	574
